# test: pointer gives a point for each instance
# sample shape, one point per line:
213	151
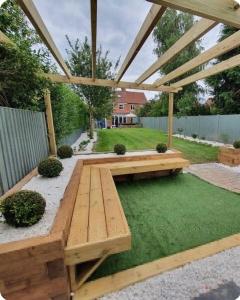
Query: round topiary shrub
161	148
194	135
50	167
23	208
120	149
236	144
65	151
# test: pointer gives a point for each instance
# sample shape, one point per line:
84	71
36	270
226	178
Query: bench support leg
78	280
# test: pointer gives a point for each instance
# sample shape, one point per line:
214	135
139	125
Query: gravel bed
200	141
89	146
52	189
187	282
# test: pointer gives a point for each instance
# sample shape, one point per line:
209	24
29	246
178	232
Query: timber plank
114	218
79	226
97	221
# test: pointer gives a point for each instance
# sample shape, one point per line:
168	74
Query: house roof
131	97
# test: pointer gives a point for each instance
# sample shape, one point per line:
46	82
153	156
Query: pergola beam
94	35
32	13
109	83
223	11
149	23
5	40
193	34
222	47
218	68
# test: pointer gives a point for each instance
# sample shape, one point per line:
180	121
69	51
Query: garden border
34	268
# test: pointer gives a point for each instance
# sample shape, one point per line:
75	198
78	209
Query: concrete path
217	174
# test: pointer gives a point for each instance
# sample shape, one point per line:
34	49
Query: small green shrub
23	208
236	144
120	149
194	135
65	151
50	167
161	148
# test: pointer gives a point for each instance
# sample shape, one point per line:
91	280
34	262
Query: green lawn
145	138
172	214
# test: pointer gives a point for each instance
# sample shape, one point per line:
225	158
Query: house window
121	106
132	106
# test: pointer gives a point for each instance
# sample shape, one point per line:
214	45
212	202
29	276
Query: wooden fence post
51	132
170	120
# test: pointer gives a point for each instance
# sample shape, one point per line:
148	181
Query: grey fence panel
229	128
221	128
23	144
71	138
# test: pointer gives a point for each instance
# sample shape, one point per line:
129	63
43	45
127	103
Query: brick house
126	107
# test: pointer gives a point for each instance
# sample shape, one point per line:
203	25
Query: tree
169	29
21	83
98	99
226	85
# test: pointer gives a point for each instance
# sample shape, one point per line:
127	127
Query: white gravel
186	282
200	141
90	145
52	189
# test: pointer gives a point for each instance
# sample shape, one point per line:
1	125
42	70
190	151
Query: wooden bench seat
98	222
132	167
99	227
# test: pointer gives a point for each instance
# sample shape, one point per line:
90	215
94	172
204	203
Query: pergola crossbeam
109	83
32	13
193	34
94	35
222	11
218	68
5	40
149	23
224	46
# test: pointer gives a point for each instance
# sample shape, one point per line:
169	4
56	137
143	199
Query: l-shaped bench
99	227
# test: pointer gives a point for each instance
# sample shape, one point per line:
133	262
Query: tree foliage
98	99
21	83
226	85
169	29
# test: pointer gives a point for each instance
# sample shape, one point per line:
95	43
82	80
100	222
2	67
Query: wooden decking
99	227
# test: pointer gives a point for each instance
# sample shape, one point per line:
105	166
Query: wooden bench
99	227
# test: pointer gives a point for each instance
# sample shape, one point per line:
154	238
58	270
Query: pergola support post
50	125
170	120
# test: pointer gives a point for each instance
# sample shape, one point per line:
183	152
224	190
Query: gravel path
52	189
84	137
185	283
200	141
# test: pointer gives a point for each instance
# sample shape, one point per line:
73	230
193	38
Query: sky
117	26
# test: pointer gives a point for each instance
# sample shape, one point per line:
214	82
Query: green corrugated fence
23	144
220	128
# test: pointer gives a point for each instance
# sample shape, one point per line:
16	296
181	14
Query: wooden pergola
211	12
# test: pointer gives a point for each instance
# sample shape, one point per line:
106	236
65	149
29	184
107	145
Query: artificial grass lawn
145	138
172	214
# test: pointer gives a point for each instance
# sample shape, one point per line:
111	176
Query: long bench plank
79	226
114	218
145	166
97	222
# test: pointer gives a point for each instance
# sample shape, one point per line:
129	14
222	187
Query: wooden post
170	120
51	132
